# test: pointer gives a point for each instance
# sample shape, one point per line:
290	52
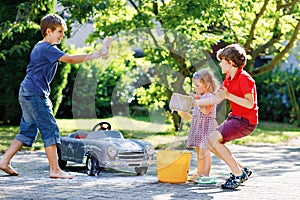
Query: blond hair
206	76
52	21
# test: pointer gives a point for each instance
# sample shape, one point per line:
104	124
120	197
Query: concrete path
276	176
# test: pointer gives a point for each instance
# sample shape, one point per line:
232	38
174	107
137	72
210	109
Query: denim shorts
235	127
37	115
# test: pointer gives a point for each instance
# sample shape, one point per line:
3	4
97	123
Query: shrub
275	99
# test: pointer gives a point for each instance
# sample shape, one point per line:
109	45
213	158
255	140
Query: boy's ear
48	30
231	63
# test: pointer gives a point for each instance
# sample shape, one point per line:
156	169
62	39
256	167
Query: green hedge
19	32
274	97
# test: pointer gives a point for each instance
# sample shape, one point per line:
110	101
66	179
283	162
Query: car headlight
149	150
112	151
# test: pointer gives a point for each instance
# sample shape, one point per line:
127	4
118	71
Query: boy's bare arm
247	101
102	53
74	59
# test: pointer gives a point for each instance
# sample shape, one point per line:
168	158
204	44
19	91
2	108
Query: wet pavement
276	175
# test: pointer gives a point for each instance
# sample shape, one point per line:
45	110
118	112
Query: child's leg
204	162
5	161
220	150
216	153
197	174
198	160
55	171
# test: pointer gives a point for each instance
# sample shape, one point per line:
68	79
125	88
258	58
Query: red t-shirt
241	84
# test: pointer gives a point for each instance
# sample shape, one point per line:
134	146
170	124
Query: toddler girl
203	120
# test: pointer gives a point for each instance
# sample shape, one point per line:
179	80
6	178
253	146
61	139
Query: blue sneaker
248	171
234	181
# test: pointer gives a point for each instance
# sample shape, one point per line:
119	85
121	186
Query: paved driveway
276	176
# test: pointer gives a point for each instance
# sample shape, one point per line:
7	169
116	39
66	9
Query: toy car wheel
92	166
102	126
62	163
141	170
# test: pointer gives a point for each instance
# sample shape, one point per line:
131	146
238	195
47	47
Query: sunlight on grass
271	132
160	135
167	141
118	123
8	133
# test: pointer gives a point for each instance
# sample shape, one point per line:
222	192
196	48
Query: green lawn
160	135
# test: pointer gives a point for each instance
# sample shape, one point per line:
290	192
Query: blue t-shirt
42	68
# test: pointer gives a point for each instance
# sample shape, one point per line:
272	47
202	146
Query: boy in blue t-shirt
34	94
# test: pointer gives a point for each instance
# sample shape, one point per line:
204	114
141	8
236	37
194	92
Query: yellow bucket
173	165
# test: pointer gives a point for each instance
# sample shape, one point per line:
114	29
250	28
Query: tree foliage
19	33
268	27
191	30
277	95
177	37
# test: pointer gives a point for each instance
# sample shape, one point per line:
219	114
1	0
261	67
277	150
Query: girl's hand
194	103
185	116
195	96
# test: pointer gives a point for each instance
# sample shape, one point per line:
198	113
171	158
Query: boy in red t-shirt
240	90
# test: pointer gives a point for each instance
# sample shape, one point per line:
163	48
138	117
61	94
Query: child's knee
204	154
214	138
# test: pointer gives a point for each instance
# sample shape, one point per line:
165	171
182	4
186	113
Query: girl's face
225	66
200	88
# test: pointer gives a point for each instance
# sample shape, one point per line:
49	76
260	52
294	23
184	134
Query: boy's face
57	35
225	66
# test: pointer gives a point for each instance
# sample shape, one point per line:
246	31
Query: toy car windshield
104	134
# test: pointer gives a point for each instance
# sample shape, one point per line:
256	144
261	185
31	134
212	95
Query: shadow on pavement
273	164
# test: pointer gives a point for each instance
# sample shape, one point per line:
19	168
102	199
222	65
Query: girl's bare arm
218	98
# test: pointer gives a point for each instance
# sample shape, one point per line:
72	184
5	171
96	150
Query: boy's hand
221	93
226	92
103	52
105	47
107	42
